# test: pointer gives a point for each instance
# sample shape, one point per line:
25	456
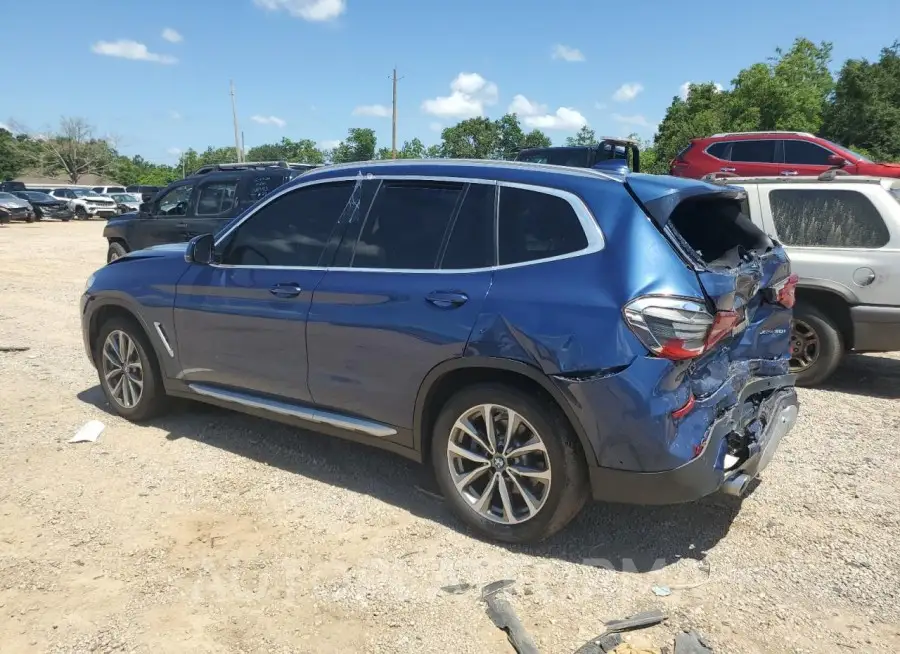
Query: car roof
478	169
886	182
744	136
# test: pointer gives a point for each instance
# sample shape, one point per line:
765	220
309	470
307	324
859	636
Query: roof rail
770	131
246	165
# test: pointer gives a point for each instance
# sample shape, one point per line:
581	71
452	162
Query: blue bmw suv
539	334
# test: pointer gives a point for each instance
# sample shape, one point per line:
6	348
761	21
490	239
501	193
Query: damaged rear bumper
706	473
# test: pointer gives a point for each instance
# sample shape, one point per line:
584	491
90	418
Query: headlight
90	282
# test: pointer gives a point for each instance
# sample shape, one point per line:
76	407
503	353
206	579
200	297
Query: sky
155	76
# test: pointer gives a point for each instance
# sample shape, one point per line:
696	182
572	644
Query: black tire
30	219
153	400
80	213
569	487
830	344
115	251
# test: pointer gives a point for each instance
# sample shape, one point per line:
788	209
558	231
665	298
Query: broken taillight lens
677	328
785	291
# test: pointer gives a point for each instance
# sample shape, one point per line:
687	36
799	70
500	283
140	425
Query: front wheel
115	251
817	345
128	370
508	463
80	213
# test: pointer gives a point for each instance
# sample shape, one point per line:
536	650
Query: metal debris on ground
504	617
89	432
661	591
432	495
610	639
457	589
14	348
690	642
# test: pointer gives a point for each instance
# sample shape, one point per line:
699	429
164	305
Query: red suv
768	154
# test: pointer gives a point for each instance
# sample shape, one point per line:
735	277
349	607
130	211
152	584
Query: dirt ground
208	531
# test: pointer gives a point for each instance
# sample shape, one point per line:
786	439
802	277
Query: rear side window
573	157
718	150
115	189
827	218
406	225
471	242
753	151
262	185
292	230
535	225
805	153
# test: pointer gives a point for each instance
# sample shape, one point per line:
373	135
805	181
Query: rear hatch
744	328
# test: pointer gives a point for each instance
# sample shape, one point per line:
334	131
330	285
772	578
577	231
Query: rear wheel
128	370
817	345
115	251
508	463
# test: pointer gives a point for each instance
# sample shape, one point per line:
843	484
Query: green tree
302	151
72	150
434	152
536	139
705	112
509	137
358	146
414	149
585	136
865	113
12	163
474	138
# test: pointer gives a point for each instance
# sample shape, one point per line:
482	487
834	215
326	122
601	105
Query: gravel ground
208	531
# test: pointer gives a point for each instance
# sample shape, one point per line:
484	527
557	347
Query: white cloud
6	127
172	36
685	89
174	151
469	94
329	144
566	53
436	127
534	114
311	10
268	120
637	120
628	92
130	50
524	107
376	110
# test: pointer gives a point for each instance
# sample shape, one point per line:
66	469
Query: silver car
842	234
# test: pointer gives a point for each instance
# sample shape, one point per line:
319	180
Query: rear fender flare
829	286
492	363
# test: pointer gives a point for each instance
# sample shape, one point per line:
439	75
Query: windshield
841	148
7	196
124	197
38	197
82	193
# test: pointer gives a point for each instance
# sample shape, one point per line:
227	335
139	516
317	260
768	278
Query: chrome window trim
589	225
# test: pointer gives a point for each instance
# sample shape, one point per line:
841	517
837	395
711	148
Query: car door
213	204
803	158
753	158
836	237
166	220
241	322
403	296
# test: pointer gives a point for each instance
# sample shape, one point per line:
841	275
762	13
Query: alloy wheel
122	369
499	464
804	346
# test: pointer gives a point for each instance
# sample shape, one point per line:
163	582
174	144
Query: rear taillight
785	291
677	328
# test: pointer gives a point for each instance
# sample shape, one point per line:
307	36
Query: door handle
447	299
788	172
728	170
286	290
181	225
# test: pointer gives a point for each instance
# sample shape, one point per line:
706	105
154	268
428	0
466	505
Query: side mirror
837	160
200	250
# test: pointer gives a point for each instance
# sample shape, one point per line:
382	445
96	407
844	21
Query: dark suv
539	334
201	203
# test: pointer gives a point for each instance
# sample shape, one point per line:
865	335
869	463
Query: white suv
85	203
842	234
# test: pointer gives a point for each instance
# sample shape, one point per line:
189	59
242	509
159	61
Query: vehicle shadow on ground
869	375
619	537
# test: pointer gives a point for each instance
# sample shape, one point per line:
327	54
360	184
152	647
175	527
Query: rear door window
471	243
262	185
534	225
217	198
753	151
719	150
827	218
406	226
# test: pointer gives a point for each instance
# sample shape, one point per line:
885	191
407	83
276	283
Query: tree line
792	90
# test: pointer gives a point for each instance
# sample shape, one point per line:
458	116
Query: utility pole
237	140
243	146
394	119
